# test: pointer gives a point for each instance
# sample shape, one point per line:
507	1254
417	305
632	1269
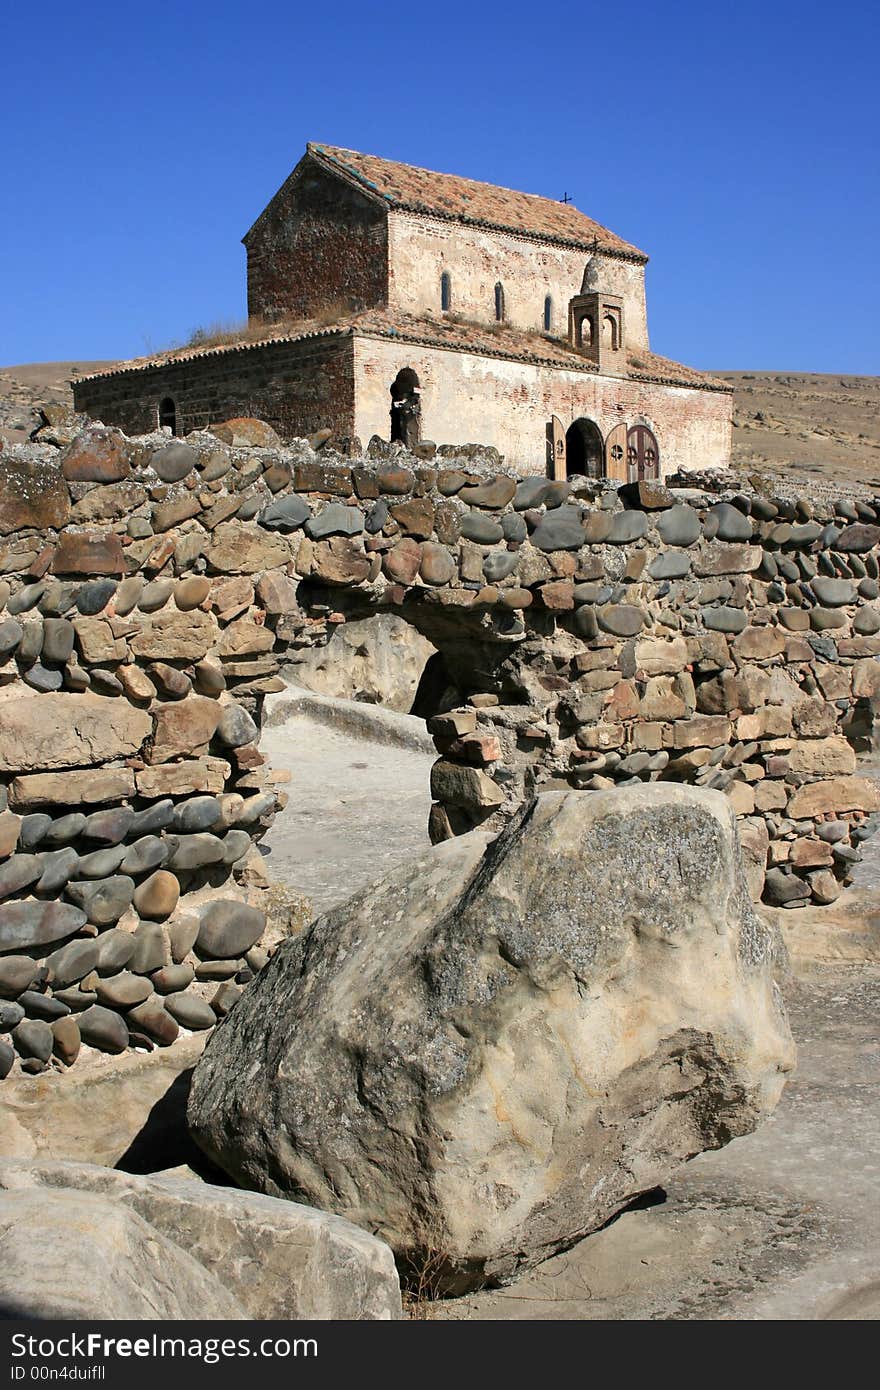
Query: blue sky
737	144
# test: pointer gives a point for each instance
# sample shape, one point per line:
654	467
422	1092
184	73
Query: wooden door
642	454
615	454
556	461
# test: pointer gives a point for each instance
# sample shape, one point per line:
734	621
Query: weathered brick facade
517	322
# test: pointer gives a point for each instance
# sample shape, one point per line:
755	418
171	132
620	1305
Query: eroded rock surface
485	1055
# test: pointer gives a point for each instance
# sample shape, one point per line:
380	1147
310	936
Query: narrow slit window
499	302
445	292
548	314
168	414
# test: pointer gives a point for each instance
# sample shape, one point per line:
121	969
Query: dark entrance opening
585	449
168	414
406	408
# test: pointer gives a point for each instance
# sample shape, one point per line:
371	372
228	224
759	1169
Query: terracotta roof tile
457	335
447	195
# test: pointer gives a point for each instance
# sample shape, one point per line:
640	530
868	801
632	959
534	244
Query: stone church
388	300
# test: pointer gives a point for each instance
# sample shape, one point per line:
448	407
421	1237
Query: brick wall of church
320	246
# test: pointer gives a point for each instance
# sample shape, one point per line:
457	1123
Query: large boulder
484	1056
75	1255
310	1265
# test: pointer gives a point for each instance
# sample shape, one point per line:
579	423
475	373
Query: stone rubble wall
152	589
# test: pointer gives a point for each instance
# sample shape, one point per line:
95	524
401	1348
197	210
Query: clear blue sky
736	143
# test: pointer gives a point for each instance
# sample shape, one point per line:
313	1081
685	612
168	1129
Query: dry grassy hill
824	427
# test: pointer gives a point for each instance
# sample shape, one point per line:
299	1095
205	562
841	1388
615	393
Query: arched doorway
642	454
406	408
168	414
584	449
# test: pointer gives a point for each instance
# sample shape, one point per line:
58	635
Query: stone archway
585	449
406	408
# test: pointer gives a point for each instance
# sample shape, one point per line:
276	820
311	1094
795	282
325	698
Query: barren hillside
821	426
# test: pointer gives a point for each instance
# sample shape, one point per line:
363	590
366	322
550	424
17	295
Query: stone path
782	1224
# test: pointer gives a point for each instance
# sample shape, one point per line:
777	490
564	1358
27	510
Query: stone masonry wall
151	590
297	387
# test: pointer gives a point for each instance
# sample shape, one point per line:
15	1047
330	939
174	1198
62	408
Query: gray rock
781	888
65	829
26	926
287	514
155	595
670	564
115	949
31	644
500	564
236	727
194	851
859	538
482	529
17	973
732	525
226	996
459	1057
531	492
33	1038
833	593
32	829
171	979
174	462
109	826
514	527
7	1058
228	928
153	819
102	862
147	853
235	846
38	677
103	1029
104	900
377	516
57	639
10	636
11	1014
182	935
18	872
725	619
77	999
42	1006
123	991
335	519
149	948
92	598
561	529
621	619
198	812
73	962
26	598
626	527
152	1018
59	866
190	1011
866	622
311	1265
74	1255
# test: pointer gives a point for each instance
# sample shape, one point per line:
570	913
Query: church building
387	300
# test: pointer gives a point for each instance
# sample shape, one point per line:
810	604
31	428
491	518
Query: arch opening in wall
548	313
406	408
610	333
585	332
584	449
168	414
445	292
499	303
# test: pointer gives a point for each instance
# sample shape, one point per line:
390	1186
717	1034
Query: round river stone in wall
158	895
57	639
114	950
102	1028
17	973
124	990
93	597
286	514
10	1015
725	619
228	928
834	593
670	564
561	529
732	525
190	1011
236	727
73	962
437	565
174	462
500	564
479	528
621	619
190	592
103	900
149	852
626	527
33	1038
28	925
19	872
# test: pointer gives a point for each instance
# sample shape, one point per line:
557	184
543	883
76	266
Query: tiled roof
456	335
464	200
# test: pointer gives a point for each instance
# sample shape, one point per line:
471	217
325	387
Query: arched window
586	331
609	332
499	302
445	291
548	314
585	449
168	414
